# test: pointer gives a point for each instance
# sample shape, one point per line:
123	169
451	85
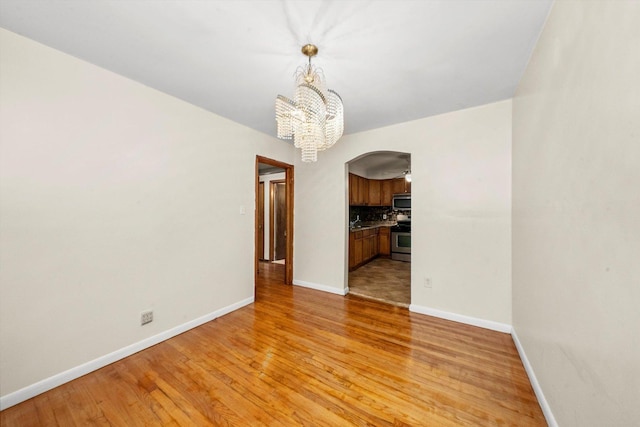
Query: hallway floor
383	280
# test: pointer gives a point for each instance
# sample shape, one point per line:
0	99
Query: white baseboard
546	409
474	321
323	288
78	371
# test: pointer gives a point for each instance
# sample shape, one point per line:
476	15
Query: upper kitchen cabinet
400	185
353	189
374	192
378	188
386	192
358	190
363	191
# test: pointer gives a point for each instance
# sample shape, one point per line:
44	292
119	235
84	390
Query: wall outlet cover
146	317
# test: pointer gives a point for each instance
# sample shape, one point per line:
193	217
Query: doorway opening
379	223
277	221
274	221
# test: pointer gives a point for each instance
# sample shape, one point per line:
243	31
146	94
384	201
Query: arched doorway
379	253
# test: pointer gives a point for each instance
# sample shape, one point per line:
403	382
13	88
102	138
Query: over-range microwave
401	202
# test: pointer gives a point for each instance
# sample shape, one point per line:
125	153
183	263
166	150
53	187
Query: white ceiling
381	164
391	61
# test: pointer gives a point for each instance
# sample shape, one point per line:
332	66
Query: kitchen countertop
369	225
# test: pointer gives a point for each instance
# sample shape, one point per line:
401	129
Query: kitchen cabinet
374	245
374	192
369	192
384	241
358	190
363	191
356	243
363	247
358	251
353	188
352	252
400	185
366	248
386	192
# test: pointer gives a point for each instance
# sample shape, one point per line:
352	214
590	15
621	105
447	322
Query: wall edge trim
56	380
542	401
323	288
460	318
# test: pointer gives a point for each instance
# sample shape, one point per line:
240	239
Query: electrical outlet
427	283
146	317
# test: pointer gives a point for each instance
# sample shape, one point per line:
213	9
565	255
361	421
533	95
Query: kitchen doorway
379	224
274	220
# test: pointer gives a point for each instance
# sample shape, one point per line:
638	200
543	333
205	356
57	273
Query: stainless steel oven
401	242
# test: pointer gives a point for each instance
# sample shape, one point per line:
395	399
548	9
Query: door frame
260	222
272	208
288	259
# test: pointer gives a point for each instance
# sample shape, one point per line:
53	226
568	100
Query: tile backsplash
372	213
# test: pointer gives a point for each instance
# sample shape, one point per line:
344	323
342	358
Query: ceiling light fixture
407	176
314	119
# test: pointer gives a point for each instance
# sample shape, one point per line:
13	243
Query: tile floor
383	280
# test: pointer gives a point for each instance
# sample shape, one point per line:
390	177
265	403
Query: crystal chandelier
314	118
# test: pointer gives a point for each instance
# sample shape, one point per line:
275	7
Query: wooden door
279	220
260	245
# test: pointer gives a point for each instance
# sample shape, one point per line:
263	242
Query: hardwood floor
302	357
270	273
383	279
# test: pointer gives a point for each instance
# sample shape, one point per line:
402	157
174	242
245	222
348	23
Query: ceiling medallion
314	119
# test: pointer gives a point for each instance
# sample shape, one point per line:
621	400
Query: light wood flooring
303	357
383	279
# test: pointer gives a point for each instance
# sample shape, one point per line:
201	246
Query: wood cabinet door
386	192
374	246
374	192
366	248
352	250
398	186
363	191
353	189
358	251
384	241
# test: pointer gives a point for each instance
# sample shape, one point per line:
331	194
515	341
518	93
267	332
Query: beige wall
576	212
461	186
115	198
